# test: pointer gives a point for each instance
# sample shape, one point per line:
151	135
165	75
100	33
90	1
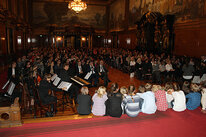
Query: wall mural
117	15
58	13
182	9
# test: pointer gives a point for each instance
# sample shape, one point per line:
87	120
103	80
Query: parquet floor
115	75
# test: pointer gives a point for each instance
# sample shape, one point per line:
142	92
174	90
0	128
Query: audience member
99	99
194	97
113	103
132	103
84	102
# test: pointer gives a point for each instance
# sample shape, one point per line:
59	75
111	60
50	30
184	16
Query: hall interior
174	26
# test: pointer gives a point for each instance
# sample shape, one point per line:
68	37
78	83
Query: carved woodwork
10	115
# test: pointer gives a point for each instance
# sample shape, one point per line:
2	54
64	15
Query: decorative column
91	42
63	42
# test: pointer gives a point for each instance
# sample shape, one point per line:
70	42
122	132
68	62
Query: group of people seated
160	68
146	98
36	68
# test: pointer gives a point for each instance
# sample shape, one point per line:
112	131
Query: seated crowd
147	99
35	70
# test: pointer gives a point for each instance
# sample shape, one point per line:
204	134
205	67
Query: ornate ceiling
89	2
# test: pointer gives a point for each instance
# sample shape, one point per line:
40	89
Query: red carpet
161	124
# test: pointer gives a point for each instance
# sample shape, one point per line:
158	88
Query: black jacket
15	78
66	75
88	69
85	103
44	88
105	69
77	70
113	104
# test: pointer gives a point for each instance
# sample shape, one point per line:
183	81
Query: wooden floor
115	75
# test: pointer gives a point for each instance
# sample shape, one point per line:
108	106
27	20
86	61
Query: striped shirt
132	105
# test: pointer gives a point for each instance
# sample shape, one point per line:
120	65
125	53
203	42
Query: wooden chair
26	104
66	101
40	106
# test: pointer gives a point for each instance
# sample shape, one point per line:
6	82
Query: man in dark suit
94	75
13	73
103	73
79	70
65	75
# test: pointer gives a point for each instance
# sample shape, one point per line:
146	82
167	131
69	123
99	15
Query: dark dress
85	102
113	104
44	87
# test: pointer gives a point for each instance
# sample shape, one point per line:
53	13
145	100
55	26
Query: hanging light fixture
77	5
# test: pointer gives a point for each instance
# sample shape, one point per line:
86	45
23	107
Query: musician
103	73
57	67
79	70
94	75
44	88
65	75
27	69
13	73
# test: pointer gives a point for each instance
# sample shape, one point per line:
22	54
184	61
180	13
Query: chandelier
77	5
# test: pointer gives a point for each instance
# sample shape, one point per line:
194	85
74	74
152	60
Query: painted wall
190	20
58	13
182	9
117	15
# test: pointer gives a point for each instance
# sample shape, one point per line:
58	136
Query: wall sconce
29	40
59	38
128	41
109	41
83	39
3	38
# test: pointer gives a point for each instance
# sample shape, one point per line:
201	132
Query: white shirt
13	71
203	99
169	97
101	68
179	101
92	69
132	63
162	67
80	68
168	67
